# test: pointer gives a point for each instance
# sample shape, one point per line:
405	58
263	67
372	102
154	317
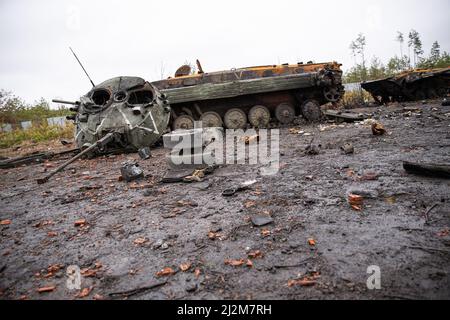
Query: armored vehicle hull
254	95
410	86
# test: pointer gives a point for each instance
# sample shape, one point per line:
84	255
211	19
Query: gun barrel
100	142
66	102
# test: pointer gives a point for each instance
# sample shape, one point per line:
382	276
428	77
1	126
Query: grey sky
137	37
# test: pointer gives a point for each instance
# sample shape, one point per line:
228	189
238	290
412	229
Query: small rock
312	149
157	244
191	287
348	148
259	221
148	193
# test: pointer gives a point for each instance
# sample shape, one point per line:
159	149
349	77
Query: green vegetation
376	70
14	109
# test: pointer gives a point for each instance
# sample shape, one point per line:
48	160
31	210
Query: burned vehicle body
121	114
256	95
130	107
410	86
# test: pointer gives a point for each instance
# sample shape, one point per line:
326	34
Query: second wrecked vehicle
254	95
410	85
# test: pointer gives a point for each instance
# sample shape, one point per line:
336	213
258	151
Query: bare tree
357	47
400	40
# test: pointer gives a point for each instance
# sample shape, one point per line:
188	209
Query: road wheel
311	110
184	122
211	119
259	116
235	119
285	113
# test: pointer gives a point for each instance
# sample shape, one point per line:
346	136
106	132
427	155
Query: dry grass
356	98
35	134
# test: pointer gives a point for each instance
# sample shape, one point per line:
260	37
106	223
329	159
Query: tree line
13	109
414	58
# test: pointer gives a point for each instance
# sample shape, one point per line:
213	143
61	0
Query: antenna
82	67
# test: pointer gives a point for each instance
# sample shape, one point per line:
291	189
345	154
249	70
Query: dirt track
133	230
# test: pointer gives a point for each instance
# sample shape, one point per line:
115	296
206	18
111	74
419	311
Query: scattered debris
5	222
165	272
80	222
346	116
348	148
129	293
145	153
260	221
378	129
243	186
238	263
140	241
295	131
265	232
213	235
185	266
130	171
369	176
355	201
444	233
255	254
306	281
46	289
197	176
427	212
428	170
84	292
312	149
65	142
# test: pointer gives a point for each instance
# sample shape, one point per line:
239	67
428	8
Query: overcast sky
143	38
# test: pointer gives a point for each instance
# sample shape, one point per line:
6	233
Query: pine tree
400	40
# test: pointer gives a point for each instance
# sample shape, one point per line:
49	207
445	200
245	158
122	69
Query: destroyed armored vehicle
254	95
121	114
129	108
410	86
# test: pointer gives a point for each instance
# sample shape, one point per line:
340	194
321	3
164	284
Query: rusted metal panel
212	91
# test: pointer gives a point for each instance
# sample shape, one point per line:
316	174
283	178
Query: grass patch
36	134
356	97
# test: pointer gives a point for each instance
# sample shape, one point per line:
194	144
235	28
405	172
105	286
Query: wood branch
428	170
124	294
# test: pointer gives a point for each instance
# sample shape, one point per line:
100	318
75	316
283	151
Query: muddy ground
134	230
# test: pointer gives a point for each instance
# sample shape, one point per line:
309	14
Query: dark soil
134	230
